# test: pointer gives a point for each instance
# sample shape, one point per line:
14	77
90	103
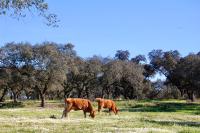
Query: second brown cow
106	103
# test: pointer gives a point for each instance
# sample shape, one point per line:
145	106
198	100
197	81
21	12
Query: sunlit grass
146	116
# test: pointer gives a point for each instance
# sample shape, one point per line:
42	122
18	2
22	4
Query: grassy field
153	116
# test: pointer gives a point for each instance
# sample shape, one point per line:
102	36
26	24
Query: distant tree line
54	71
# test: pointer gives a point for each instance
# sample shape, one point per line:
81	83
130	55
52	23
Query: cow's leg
110	111
67	110
84	114
69	107
114	110
99	108
64	113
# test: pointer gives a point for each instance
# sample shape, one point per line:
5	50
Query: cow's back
77	103
108	103
105	103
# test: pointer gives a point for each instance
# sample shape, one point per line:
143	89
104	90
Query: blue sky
103	26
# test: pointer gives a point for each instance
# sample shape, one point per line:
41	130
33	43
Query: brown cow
78	104
106	103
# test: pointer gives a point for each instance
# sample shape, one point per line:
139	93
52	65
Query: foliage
53	71
139	58
186	75
19	8
122	55
182	72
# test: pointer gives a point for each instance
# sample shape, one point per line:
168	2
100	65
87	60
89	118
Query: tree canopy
54	71
20	8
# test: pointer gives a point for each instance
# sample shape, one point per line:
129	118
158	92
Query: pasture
146	116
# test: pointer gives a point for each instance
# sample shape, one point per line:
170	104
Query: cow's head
93	113
117	110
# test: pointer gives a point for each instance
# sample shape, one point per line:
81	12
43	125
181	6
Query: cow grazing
106	103
78	104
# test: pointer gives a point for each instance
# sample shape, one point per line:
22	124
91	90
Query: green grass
146	116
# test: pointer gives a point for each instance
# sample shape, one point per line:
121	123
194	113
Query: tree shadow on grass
171	123
7	105
193	108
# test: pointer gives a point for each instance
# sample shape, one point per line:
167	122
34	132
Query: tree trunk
109	94
42	97
79	94
103	93
3	95
80	91
28	94
14	97
87	93
57	95
182	92
192	96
